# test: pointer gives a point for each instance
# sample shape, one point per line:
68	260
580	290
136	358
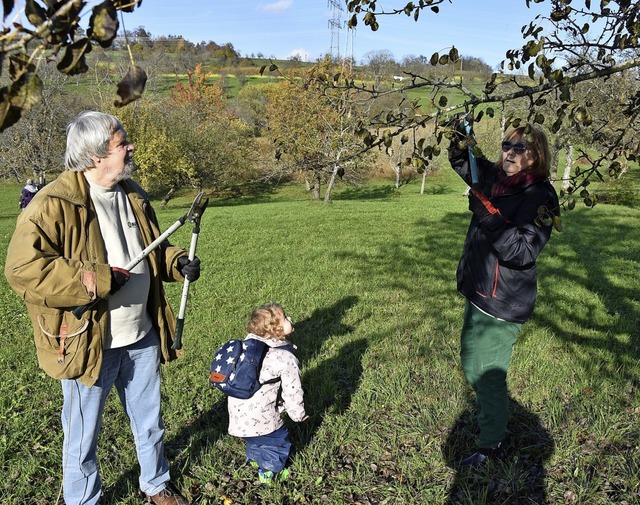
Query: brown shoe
168	496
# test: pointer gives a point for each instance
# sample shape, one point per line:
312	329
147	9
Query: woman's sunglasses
517	148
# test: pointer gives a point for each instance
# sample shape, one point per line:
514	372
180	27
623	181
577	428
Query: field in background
370	283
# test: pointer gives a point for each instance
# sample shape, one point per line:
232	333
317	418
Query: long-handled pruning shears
195	218
473	163
196	208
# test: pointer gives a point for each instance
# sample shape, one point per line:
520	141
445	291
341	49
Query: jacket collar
74	187
271	342
71	186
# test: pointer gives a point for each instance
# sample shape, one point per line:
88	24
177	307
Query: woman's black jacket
497	270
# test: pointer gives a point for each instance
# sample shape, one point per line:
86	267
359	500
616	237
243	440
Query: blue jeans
135	372
270	451
486	346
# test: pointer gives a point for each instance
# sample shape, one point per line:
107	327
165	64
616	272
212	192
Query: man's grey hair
88	137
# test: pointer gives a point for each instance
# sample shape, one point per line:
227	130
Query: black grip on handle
177	339
81	309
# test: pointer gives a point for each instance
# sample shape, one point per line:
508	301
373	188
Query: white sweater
128	316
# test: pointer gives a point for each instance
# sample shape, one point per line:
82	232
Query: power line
335	26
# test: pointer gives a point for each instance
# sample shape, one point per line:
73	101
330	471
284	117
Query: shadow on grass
310	333
365	193
10	217
331	384
598	253
383	192
229	197
181	449
518	478
329	387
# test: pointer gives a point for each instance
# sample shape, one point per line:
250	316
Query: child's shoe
284	474
267	476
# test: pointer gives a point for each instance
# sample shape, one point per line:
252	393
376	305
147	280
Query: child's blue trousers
270	451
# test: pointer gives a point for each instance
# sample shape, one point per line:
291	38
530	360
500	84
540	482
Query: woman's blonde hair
267	321
538	143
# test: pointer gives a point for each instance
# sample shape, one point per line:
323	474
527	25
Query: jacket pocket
484	280
62	343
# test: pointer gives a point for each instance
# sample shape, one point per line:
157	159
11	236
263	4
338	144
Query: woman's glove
489	217
189	269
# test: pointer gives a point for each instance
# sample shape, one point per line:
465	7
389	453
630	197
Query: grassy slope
369	281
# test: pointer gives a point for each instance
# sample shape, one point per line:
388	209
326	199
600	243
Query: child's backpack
236	367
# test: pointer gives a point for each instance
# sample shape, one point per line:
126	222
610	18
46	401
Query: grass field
370	283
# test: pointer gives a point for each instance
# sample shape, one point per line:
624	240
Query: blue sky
280	28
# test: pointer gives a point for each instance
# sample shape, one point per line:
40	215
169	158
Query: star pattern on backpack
235	369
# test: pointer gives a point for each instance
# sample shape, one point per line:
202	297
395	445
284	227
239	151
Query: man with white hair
69	251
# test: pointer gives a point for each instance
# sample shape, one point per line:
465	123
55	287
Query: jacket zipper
495	280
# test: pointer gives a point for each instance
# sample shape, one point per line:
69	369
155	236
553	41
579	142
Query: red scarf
508	184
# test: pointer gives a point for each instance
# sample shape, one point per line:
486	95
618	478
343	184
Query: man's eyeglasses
517	148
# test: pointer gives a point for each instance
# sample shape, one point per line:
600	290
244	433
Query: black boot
482	454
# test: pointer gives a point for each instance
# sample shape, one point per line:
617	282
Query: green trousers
486	344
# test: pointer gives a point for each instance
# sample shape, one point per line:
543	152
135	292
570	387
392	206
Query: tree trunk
315	191
566	177
168	196
624	166
424	182
332	183
398	170
554	161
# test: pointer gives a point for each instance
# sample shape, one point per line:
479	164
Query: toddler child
258	419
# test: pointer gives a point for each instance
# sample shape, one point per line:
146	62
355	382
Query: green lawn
370	283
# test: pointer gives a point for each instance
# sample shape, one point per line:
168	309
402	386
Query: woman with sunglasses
514	206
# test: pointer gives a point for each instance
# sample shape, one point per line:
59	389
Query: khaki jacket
56	261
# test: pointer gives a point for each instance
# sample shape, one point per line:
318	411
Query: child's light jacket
261	414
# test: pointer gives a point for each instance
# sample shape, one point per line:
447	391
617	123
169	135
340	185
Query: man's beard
127	171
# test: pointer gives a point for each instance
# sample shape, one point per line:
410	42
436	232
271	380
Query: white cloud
276	7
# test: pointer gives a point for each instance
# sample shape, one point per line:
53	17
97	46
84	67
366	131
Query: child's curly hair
266	321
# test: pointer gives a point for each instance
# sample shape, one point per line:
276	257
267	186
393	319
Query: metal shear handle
195	209
196	216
